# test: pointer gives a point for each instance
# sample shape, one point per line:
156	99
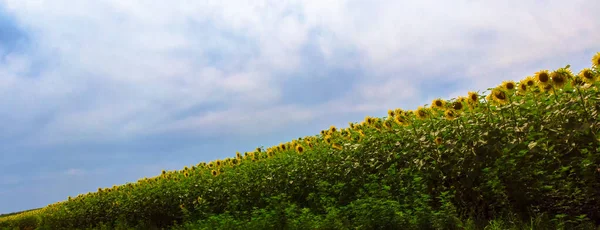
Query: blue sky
98	93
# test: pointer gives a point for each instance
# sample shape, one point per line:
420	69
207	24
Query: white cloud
118	69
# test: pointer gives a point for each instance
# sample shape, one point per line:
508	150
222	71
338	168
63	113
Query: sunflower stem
583	102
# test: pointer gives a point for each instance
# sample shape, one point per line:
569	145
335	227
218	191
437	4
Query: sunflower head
332	129
523	86
336	146
351	125
387	124
299	148
400	120
391	113
542	77
328	139
499	96
186	174
450	114
560	77
438	103
509	85
282	146
587	75
362	133
473	98
218	163
163	172
457	105
421	113
214	172
546	88
438	141
596	60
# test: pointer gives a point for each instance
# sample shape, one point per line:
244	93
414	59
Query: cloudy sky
98	93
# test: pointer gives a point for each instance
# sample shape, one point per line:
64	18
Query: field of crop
521	155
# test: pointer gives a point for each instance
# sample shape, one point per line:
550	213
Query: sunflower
559	77
400	120
499	96
450	114
186	174
211	165
235	162
437	103
421	113
457	105
336	146
332	129
327	139
438	141
522	86
238	155
299	148
509	86
214	172
473	98
398	112
529	81
587	75
282	146
351	124
361	133
163	172
578	81
391	113
343	132
218	163
546	88
387	124
596	60
542	77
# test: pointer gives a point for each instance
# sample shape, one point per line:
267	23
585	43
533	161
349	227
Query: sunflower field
524	155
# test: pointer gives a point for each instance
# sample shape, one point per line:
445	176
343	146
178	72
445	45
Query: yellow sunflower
332	129
391	113
473	98
450	114
560	77
499	96
509	86
596	60
542	77
401	120
299	148
387	124
438	141
587	75
421	113
522	87
457	105
328	139
438	103
336	146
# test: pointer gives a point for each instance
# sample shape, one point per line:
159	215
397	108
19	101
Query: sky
101	93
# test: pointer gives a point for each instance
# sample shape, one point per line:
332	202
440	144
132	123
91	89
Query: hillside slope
526	151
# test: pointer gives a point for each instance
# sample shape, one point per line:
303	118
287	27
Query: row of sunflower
397	121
